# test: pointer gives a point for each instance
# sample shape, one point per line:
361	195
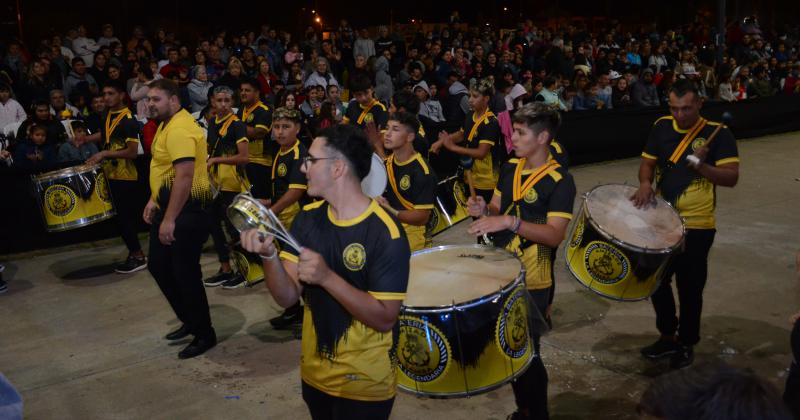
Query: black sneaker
219	278
682	358
235	282
293	315
198	346
659	349
131	265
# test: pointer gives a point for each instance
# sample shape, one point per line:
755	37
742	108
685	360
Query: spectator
84	47
173	64
658	61
40	115
266	78
605	90
364	46
621	95
644	92
429	107
108	37
321	76
10	110
549	96
78	148
36	153
588	99
233	78
334	97
80	79
37	85
59	108
94	120
383	81
198	88
725	90
139	91
310	107
760	86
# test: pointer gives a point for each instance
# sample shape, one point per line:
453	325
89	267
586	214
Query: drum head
374	184
458	273
657	227
58	174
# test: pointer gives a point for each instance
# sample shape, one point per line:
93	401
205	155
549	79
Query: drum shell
479	345
630	273
450	206
248	265
74	197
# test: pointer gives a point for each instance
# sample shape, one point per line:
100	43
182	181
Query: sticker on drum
101	187
605	263
60	199
512	325
578	235
423	352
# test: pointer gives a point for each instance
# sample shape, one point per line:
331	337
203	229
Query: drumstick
466	163
726	119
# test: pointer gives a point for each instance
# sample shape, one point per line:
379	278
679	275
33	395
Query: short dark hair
167	85
116	85
407	101
539	116
38	127
171	49
77	60
78	125
252	82
549	81
683	86
360	83
406	119
353	144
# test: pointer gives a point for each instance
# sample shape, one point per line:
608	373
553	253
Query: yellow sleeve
180	145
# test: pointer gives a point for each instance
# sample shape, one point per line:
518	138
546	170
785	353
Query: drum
248	265
464	323
73	197
374	184
619	251
450	206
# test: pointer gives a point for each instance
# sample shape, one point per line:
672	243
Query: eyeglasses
310	159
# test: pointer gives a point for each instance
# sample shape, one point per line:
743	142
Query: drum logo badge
698	143
512	326
60	199
577	237
405	182
368	118
422	351
282	169
354	257
531	196
605	263
459	195
101	187
250	118
241	264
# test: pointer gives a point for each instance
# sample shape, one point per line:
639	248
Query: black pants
690	269
176	268
530	388
791	394
218	216
260	178
129	211
327	407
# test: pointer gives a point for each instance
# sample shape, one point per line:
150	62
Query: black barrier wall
588	136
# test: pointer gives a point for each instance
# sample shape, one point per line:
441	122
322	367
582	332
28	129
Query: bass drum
73	197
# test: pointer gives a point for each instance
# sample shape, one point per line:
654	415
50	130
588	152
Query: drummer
364	108
228	155
691	189
289	188
258	117
412	185
529	213
119	141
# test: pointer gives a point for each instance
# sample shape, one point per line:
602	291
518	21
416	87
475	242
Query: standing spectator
383	81
37	85
108	37
84	47
10	110
198	89
364	45
621	95
644	92
139	91
384	41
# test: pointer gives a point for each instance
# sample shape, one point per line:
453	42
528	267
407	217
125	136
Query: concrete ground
79	343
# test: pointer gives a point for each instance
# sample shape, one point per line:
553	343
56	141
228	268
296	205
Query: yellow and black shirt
695	196
340	355
533	196
286	175
559	153
360	115
224	136
412	186
258	116
179	140
120	128
482	130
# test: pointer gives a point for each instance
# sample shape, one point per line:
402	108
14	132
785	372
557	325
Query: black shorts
327	407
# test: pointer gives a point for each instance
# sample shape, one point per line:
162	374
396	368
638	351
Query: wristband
269	257
516	225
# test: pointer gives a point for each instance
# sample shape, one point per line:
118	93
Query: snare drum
619	251
464	323
73	197
248	265
450	206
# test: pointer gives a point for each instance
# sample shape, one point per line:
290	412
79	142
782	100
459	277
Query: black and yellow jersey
178	140
340	355
482	130
224	136
258	115
411	186
120	128
559	153
286	175
533	196
697	199
360	115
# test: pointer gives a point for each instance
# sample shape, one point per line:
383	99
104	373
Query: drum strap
247	111
474	130
521	188
112	125
393	182
366	111
687	140
222	132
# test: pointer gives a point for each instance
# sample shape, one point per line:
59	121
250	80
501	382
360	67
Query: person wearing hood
198	88
644	92
429	107
80	79
456	104
383	81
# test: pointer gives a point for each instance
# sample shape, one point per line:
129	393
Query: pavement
79	341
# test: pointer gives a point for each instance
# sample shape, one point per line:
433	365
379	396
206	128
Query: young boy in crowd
364	107
36	153
78	148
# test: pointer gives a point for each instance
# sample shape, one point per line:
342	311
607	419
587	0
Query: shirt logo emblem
531	196
282	170
405	182
354	257
698	143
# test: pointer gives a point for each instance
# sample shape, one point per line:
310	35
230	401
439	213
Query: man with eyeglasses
352	274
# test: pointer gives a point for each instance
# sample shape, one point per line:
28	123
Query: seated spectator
78	148
10	110
326	117
568	97
35	153
760	87
321	76
40	115
80	79
792	82
310	107
173	63
549	96
605	89
233	77
384	88
99	70
644	92
294	76
589	99
709	392
198	88
429	107
266	78
95	120
621	94
333	95
37	84
725	90
59	107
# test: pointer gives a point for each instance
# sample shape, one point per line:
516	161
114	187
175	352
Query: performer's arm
279	274
726	175
645	193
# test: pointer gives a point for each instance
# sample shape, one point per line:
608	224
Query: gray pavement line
599	363
98	372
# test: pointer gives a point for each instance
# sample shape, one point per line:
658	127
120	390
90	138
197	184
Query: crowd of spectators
570	67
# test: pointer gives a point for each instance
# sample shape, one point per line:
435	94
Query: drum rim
469	303
67	172
83	221
620	242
